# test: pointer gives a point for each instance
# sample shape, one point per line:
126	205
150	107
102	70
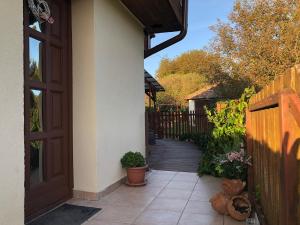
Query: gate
175	124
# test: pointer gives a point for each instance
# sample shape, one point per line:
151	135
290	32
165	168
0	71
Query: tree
198	62
260	41
178	86
186	74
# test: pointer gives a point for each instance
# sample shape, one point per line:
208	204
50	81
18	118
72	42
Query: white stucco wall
84	96
108	86
11	111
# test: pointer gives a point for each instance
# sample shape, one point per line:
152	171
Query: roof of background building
208	92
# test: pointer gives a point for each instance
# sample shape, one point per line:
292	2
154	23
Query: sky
202	15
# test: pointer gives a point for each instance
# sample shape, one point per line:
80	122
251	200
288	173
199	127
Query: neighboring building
205	96
72	96
151	88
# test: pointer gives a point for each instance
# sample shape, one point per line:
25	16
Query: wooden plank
169	125
268	102
297	79
173	125
249	143
294	107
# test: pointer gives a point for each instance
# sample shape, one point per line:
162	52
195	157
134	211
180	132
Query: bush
226	137
185	137
133	159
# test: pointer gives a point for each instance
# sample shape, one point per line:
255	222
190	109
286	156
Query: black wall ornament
40	9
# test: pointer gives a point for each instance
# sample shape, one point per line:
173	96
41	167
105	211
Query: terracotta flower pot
136	176
239	208
219	203
233	187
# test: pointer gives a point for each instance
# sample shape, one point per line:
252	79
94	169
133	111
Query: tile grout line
188	201
149	174
154	197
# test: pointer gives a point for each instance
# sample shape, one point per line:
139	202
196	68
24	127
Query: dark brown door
48	115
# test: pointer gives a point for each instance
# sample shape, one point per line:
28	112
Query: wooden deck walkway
174	155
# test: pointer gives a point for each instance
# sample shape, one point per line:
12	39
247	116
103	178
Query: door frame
69	92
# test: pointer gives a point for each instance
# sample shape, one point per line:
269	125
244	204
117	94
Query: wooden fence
175	124
273	140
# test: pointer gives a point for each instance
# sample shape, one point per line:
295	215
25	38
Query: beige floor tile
117	214
175	194
146	190
199	219
158	183
166	177
229	221
129	199
158	217
189	177
198	207
169	204
210	180
104	223
203	195
183	185
164	172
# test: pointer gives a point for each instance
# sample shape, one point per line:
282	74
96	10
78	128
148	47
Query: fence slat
273	141
175	124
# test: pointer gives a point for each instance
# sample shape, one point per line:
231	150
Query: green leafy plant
227	135
133	159
229	123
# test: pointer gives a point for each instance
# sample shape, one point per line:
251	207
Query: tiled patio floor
170	198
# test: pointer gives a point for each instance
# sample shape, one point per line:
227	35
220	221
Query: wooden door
47	109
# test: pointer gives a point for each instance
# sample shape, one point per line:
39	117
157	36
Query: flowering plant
233	165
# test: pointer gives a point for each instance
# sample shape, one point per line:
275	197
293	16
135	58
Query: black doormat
66	215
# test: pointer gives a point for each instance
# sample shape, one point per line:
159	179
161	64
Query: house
205	96
152	86
60	133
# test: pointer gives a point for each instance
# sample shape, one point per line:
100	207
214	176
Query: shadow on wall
274	179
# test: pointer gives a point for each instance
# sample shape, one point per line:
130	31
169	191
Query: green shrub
227	135
185	137
133	159
202	140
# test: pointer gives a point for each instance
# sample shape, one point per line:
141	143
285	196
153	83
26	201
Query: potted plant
135	164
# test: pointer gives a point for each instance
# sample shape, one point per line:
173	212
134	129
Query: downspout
150	51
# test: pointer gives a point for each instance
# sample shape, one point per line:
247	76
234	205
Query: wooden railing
273	141
175	124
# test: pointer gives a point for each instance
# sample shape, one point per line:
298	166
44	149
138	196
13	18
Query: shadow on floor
172	155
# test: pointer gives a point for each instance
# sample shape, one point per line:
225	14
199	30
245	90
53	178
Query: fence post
249	147
288	165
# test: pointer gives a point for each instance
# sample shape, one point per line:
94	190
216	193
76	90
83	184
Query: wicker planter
233	187
136	176
239	208
219	203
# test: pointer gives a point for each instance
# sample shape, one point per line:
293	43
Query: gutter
150	51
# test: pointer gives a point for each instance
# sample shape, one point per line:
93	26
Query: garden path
172	155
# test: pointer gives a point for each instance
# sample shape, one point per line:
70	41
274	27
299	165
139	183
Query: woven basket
239	208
